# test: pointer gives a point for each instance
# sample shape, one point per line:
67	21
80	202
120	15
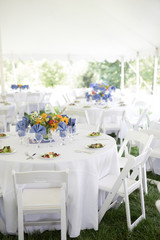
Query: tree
52	74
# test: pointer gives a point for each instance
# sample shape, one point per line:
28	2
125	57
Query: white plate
4	137
40	156
9	153
94	136
94	148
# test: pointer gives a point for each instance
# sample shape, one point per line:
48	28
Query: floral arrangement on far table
100	91
20	86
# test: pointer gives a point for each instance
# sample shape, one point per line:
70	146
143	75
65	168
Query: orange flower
44	115
59	116
38	121
50	122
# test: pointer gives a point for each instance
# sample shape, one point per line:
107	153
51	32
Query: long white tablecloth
85	165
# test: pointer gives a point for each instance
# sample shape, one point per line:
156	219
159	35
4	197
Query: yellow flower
38	121
54	126
44	115
65	119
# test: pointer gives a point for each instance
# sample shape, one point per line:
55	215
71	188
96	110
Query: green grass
113	226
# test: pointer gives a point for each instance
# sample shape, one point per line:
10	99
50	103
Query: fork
29	156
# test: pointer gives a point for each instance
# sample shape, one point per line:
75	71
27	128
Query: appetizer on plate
50	155
3	135
94	134
96	145
6	149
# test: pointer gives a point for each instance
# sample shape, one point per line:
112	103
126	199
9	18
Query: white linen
84	171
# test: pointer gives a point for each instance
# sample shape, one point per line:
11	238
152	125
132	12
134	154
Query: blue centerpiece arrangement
100	91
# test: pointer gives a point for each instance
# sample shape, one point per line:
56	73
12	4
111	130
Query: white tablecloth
85	168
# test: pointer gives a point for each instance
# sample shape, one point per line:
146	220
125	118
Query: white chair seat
41	192
122	161
38	199
108	182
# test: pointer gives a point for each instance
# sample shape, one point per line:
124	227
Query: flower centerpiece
19	86
49	120
100	91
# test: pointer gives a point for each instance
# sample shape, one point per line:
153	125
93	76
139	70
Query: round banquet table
11	109
86	166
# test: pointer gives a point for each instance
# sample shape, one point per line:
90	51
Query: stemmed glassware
39	138
21	134
63	135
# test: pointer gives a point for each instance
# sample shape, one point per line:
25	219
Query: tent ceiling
91	28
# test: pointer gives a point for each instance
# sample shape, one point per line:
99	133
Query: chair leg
128	214
142	202
63	222
20	225
145	180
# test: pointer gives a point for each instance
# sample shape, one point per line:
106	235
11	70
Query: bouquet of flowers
49	121
20	86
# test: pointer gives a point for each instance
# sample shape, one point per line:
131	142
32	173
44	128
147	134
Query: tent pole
1	72
137	73
122	75
155	72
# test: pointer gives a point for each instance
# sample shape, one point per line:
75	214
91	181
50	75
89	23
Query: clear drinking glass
39	138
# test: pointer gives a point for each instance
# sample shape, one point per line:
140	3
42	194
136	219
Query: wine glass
63	135
39	138
21	134
50	137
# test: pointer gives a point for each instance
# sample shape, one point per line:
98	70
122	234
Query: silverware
29	156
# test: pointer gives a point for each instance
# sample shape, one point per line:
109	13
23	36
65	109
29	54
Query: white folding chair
94	118
142	141
41	192
79	114
3	120
123	186
154	160
112	121
140	122
32	102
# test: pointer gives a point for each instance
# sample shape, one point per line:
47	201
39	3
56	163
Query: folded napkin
113	88
88	96
96	97
72	124
38	129
105	97
62	126
13	86
26	121
20	126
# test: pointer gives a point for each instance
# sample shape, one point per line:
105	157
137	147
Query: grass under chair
114	225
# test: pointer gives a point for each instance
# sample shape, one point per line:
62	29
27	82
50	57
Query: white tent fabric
79	28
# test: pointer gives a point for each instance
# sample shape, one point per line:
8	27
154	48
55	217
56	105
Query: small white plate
94	148
8	153
4	136
40	156
94	136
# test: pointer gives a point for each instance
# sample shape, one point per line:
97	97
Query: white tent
79	28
